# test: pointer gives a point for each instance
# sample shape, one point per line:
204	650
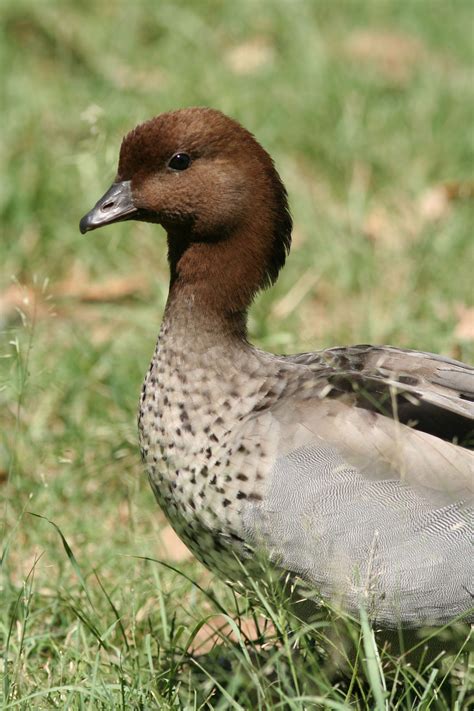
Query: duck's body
349	467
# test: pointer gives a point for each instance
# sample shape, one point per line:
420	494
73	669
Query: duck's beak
115	206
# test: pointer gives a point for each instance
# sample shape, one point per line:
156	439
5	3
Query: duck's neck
212	285
193	330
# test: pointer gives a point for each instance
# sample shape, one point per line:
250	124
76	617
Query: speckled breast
204	457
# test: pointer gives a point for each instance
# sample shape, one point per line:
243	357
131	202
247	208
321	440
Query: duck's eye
180	161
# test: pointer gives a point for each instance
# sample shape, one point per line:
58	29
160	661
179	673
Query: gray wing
379	542
430	392
367	497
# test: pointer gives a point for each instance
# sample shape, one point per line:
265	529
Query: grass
367	109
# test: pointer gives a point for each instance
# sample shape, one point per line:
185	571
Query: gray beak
115	206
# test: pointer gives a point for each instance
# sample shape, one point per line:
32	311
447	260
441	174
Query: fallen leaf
459	189
394	54
377	225
113	289
435	203
249	57
34	301
392	224
212	633
464	330
173	546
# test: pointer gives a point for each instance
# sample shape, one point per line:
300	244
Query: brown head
217	194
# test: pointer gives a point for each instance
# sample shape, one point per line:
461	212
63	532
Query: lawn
367	108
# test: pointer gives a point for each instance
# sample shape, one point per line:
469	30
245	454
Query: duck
349	469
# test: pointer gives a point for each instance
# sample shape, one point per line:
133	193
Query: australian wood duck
349	467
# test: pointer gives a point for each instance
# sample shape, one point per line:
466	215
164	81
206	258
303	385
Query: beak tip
88	223
84	225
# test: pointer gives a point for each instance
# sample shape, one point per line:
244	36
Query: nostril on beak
114	206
